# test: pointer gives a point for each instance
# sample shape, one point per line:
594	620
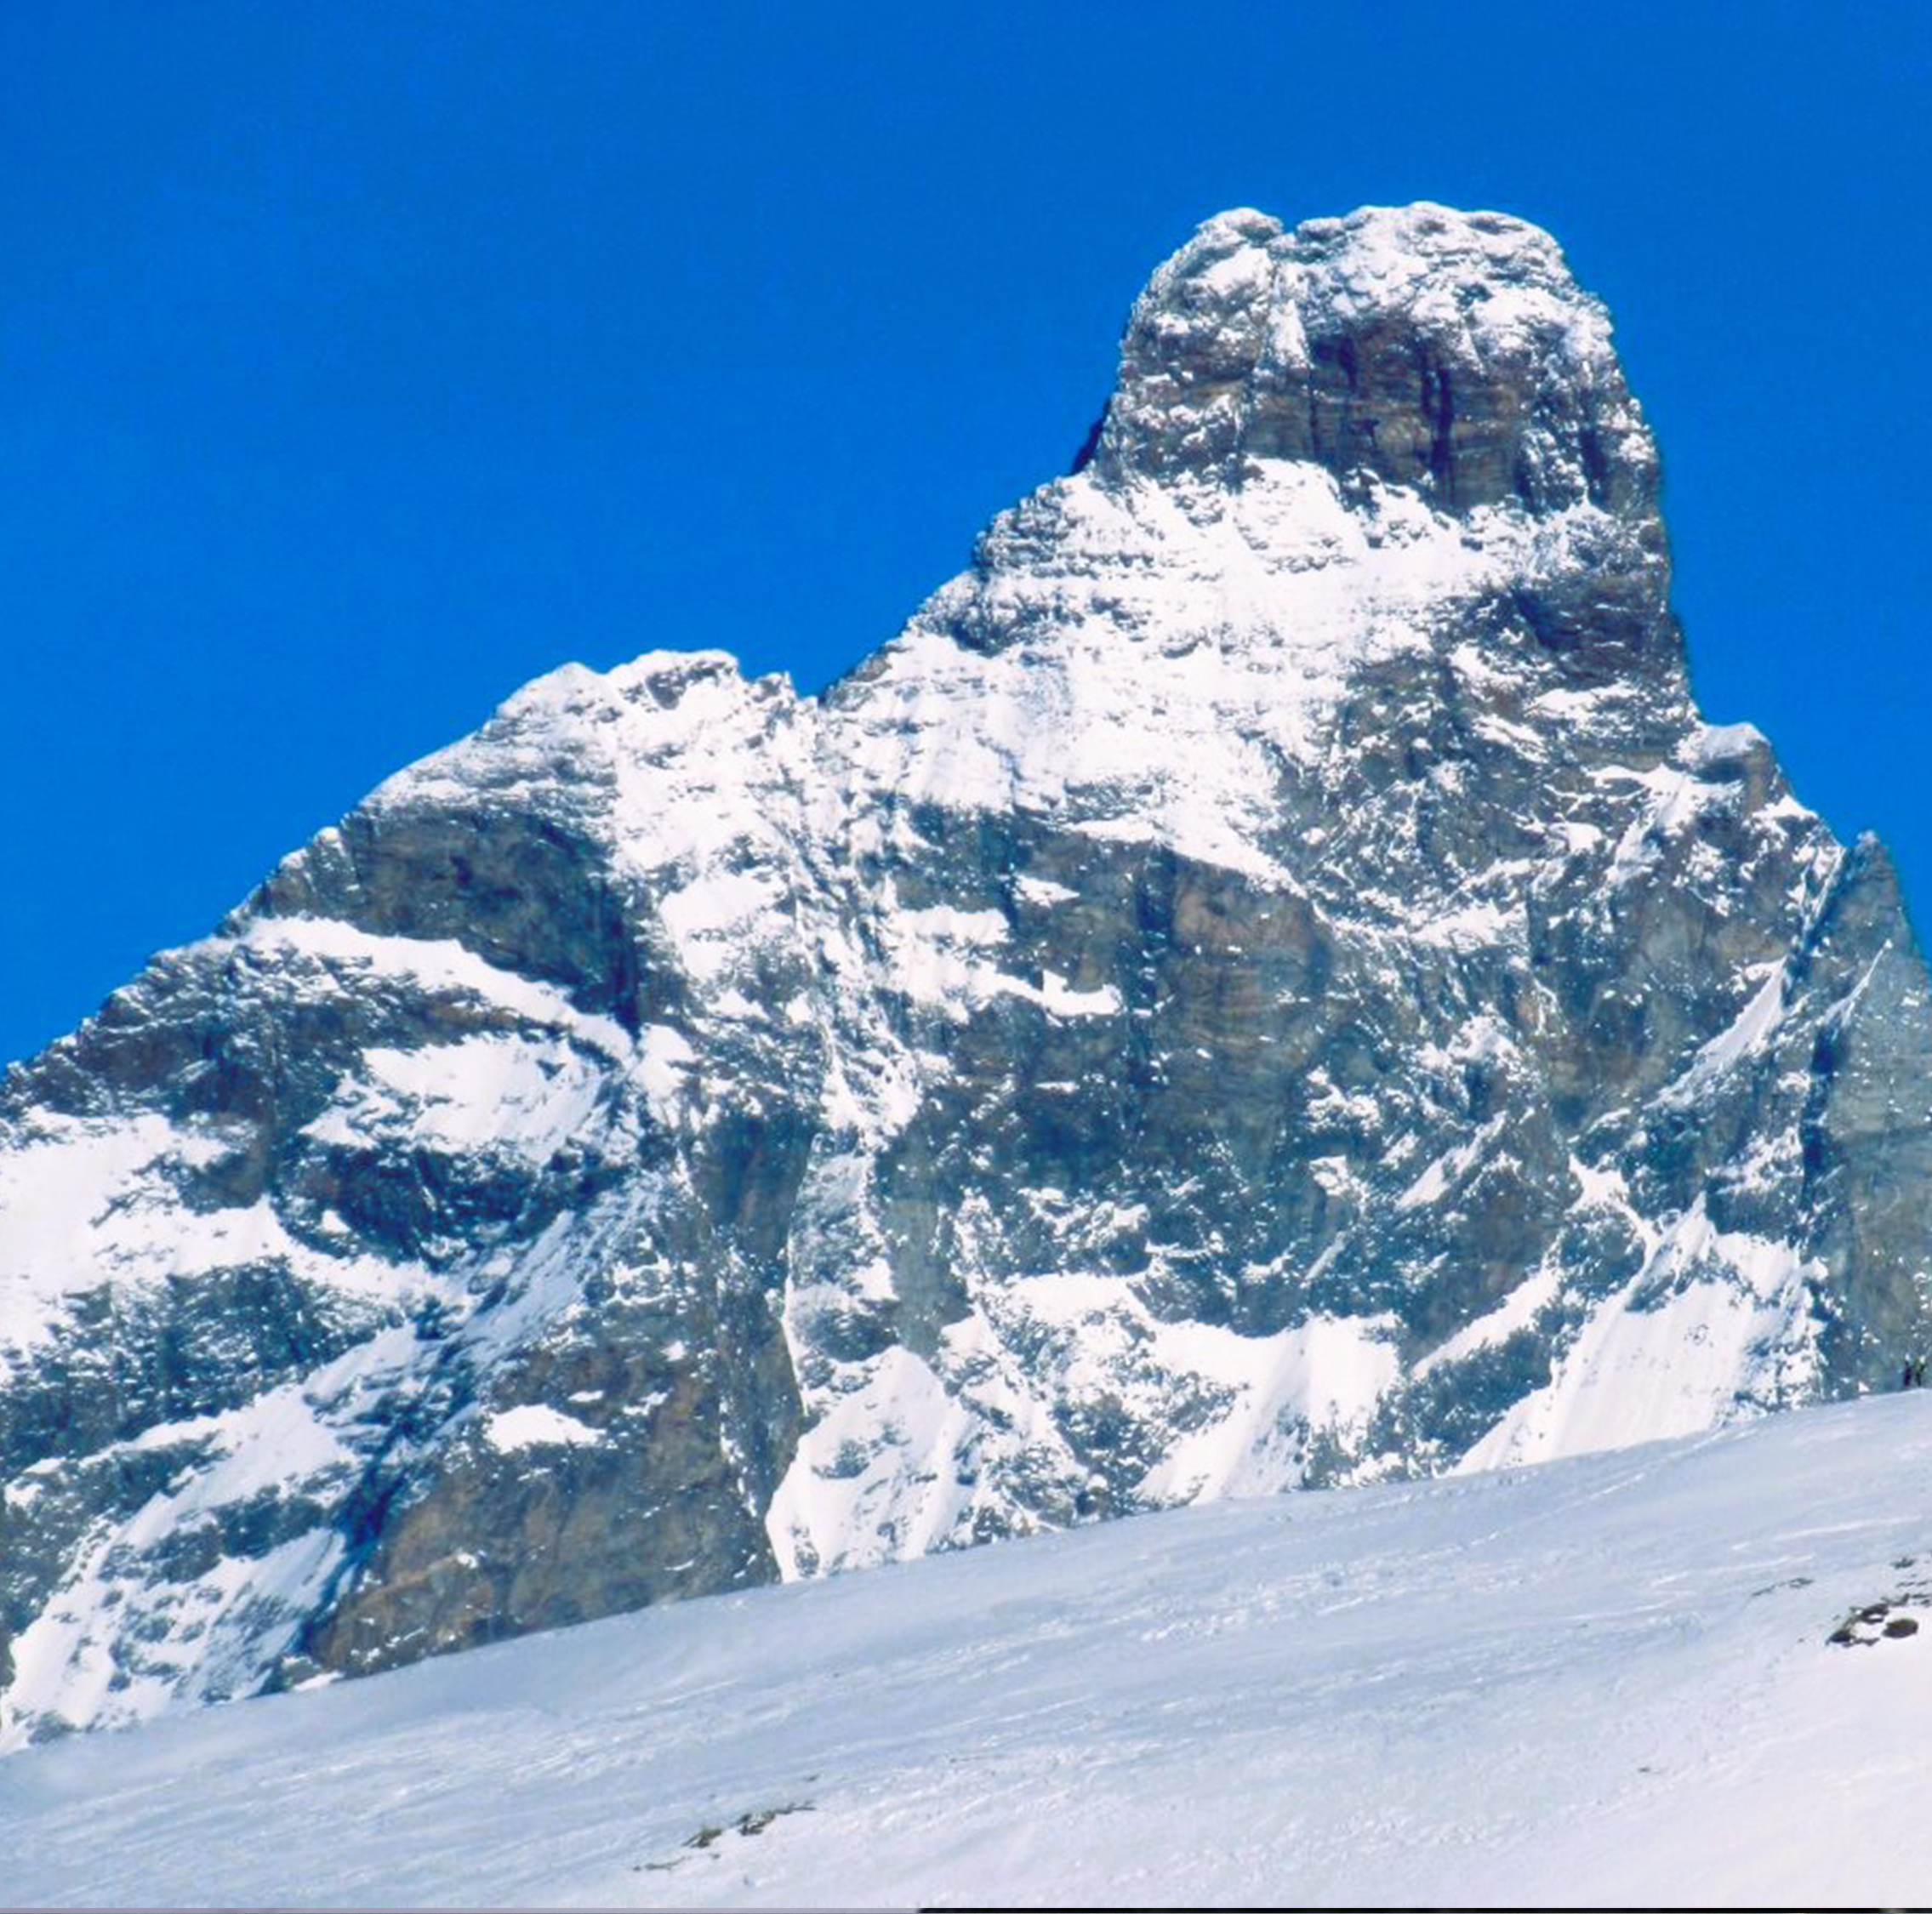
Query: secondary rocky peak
1449	351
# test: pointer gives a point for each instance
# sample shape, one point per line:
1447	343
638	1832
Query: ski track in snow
1604	1680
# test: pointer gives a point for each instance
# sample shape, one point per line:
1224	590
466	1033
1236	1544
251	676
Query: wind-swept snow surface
1604	1681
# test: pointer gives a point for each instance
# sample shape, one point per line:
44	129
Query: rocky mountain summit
1267	981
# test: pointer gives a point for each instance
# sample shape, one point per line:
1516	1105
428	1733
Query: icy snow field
1604	1680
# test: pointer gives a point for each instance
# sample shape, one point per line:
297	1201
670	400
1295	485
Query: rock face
1267	981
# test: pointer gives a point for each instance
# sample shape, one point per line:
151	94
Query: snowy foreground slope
1594	1681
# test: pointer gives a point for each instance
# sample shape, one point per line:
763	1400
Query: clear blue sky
361	361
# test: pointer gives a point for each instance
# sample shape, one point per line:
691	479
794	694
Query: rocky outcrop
1268	980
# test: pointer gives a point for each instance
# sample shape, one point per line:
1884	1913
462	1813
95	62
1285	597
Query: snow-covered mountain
1267	981
1608	1682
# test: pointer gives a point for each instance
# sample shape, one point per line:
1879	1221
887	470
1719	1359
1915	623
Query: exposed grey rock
1268	980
